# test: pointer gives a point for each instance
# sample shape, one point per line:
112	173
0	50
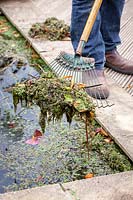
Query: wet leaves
108	140
35	138
101	131
33	141
11	125
89	176
37	133
3	30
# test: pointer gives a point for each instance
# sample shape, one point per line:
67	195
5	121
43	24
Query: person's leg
95	47
111	12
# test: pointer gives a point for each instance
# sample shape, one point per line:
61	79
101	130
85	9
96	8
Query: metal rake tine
53	66
52	62
66	73
126	80
102	91
73	75
94	77
55	60
59	68
107	102
79	76
61	71
64	70
103	101
56	67
91	83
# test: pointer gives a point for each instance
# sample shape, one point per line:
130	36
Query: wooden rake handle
89	25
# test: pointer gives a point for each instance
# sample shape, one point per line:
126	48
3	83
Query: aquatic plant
55	97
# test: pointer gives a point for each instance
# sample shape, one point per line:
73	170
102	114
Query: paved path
117	120
112	187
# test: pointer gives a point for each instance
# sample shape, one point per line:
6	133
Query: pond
60	155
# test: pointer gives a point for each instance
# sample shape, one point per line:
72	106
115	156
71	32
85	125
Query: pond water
61	154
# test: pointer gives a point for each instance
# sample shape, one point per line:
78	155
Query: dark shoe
98	92
119	64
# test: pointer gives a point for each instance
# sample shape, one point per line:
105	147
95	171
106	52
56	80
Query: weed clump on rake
55	97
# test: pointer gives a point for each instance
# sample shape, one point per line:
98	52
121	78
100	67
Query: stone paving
112	187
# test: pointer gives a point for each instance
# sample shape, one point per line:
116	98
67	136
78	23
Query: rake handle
88	27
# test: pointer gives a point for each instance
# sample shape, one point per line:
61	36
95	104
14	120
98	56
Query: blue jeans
105	33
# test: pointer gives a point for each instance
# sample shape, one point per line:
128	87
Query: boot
98	92
119	64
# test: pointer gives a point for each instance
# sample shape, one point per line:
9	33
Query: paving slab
50	192
118	119
111	187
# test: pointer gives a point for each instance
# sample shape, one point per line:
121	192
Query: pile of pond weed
52	29
55	97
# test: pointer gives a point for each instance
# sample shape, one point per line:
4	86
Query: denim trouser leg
105	31
95	47
111	12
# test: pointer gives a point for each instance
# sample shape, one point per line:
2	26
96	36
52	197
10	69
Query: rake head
75	62
81	70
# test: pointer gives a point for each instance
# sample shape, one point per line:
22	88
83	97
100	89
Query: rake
76	66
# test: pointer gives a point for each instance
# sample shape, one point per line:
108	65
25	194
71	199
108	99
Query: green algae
60	157
14	47
55	97
112	154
